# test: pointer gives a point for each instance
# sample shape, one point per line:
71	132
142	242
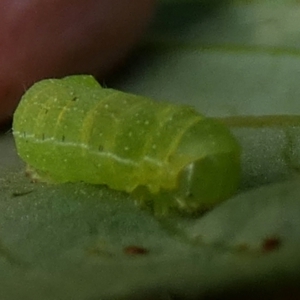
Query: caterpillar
169	157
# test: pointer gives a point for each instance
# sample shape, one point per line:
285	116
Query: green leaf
77	241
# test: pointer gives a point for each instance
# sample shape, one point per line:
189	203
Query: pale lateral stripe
84	146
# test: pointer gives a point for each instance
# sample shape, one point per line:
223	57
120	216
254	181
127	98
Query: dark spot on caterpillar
100	148
74	99
270	244
135	250
43	136
63	138
46	111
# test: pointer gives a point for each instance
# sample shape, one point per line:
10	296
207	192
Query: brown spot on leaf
270	244
135	250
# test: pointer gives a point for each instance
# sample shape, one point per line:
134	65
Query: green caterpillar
169	157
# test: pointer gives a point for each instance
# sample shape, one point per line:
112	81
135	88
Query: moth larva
167	156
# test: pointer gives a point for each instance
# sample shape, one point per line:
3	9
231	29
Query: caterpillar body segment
169	157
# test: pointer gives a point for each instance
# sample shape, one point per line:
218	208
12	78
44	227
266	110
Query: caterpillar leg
36	175
200	186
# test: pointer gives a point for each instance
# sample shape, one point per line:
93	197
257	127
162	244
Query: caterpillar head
211	175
